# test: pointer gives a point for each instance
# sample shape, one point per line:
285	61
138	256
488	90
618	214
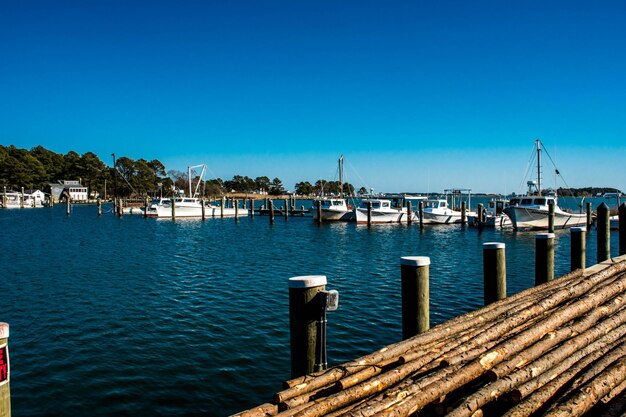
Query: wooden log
264	410
538	391
494	390
589	395
480	365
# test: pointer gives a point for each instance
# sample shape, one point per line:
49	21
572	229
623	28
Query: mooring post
409	212
578	248
544	258
319	211
114	205
480	215
271	208
222	207
68	207
203	208
420	212
463	214
621	217
22	201
305	310
236	203
589	219
369	213
4	197
99	205
5	374
173	208
414	274
286	208
603	228
494	271
551	216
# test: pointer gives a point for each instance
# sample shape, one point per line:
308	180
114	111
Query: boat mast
341	176
189	179
538	166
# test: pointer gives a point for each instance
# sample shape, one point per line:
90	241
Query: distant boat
493	215
531	211
382	212
439	211
334	209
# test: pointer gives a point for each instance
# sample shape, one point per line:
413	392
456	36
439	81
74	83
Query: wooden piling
414	274
494	271
271	209
604	233
551	216
252	208
145	207
222	207
420	212
4	197
369	213
173	208
319	211
114	206
203	203
622	228
236	204
22	200
589	212
409	212
544	258
99	207
5	372
480	215
304	312
463	214
578	248
68	207
286	213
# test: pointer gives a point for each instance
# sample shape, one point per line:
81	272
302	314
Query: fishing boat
531	212
12	199
189	206
493	215
438	211
382	212
333	209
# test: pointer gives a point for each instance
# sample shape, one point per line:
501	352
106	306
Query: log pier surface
558	349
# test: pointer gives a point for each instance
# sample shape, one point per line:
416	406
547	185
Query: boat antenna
538	166
341	176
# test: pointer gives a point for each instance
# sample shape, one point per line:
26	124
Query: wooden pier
558	349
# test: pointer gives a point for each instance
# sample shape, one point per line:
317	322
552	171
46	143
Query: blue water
137	316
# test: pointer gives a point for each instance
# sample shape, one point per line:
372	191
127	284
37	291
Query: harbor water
143	317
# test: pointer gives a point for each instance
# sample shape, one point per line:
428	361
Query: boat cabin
332	202
436	204
533	201
376	204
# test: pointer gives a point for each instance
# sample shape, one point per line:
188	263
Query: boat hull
196	212
334	215
447	218
526	218
395	216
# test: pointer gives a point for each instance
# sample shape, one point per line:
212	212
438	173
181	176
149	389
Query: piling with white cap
604	233
578	248
5	372
544	257
494	271
305	310
271	207
414	274
551	216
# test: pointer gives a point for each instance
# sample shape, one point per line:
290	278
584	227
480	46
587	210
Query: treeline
35	168
586	192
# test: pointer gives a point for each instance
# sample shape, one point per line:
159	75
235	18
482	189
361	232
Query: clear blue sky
418	95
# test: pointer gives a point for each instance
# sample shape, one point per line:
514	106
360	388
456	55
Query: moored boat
333	209
381	212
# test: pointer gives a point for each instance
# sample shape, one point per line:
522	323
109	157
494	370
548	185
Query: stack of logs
558	349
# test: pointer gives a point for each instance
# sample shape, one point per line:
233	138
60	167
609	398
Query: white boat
493	215
334	209
614	222
531	211
438	212
382	212
191	207
132	210
11	200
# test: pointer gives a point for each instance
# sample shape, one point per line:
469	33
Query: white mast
341	176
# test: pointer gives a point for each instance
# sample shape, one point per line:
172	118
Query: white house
34	198
73	189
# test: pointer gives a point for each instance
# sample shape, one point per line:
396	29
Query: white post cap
415	260
307	281
543	236
4	330
493	245
578	229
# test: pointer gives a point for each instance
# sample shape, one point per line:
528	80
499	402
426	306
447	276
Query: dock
557	349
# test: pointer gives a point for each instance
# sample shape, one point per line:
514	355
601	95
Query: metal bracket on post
329	301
